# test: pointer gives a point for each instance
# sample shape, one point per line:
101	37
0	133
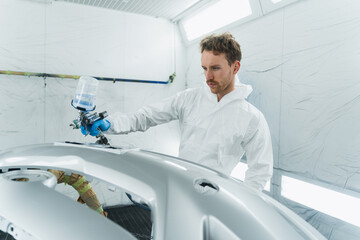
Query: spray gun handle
103	139
86	118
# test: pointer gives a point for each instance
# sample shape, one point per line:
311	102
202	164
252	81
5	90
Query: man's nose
209	75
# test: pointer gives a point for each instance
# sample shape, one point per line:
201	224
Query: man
217	124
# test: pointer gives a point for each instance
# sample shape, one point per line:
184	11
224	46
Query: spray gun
84	101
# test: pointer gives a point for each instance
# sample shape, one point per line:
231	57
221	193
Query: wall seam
277	176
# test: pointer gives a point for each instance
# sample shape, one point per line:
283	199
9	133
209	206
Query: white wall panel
97	41
22	111
321	95
22	38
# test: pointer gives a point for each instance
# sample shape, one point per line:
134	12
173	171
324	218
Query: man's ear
236	66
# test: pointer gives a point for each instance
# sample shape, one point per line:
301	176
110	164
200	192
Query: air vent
206	187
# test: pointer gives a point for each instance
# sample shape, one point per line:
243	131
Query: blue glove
102	124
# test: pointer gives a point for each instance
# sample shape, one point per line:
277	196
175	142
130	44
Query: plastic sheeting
66	38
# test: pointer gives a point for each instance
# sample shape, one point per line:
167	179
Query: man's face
219	75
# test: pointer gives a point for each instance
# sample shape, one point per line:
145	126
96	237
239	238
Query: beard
223	85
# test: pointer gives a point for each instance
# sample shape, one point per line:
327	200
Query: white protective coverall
214	134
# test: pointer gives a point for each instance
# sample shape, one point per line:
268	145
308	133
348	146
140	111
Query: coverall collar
241	91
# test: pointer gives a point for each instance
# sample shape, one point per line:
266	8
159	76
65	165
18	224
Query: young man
217	124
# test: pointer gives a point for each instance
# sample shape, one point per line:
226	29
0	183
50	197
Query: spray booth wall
65	38
303	63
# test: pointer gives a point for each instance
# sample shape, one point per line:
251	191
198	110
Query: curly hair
222	43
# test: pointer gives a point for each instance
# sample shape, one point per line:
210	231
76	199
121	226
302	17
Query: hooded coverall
214	134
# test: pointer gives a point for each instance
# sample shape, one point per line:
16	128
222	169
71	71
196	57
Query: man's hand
93	129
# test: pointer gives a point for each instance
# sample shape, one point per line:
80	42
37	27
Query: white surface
166	188
45	214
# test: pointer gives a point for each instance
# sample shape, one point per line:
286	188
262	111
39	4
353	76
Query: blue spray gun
84	101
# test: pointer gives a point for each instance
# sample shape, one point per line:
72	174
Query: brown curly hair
222	43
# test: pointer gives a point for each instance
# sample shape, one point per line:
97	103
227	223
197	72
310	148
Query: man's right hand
93	129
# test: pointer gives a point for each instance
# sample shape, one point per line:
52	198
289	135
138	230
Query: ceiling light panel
156	8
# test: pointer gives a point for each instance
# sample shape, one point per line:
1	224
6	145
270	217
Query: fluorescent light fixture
276	1
333	203
215	16
239	173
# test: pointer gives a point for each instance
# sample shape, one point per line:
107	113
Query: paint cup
85	94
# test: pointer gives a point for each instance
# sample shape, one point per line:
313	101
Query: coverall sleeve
146	117
259	154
